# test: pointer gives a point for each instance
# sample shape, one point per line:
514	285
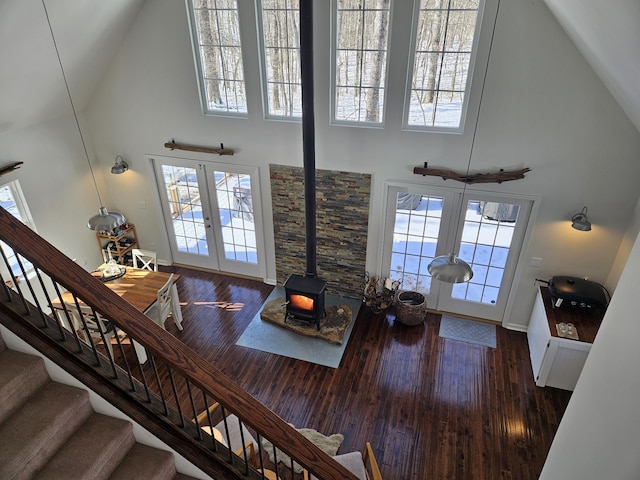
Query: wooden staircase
49	431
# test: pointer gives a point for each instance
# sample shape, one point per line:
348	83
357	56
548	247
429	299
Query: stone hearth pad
332	327
270	338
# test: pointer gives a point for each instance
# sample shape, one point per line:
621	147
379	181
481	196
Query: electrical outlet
142	204
536	262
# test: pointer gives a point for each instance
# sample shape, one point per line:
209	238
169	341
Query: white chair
97	326
356	463
106	255
231	432
165	305
145	259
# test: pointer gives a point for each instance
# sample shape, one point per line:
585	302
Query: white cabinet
557	361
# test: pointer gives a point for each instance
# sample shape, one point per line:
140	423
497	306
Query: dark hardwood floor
431	407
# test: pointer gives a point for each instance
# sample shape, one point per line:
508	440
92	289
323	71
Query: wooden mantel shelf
172	145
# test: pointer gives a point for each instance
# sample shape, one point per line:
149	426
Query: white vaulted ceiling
88	34
607	32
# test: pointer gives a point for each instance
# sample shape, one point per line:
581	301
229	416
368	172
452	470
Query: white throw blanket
328	445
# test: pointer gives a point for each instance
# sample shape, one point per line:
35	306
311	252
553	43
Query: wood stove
305	294
305	299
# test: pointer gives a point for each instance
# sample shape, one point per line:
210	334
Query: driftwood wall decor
192	148
466	177
10	167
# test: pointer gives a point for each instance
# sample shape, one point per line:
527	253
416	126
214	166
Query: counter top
586	320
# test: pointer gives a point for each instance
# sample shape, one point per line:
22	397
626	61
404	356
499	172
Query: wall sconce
120	166
580	222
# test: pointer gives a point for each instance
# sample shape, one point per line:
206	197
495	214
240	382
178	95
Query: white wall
632	232
57	184
543	108
599	434
607	33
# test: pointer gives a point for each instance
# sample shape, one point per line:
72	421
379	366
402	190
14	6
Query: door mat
270	338
468	331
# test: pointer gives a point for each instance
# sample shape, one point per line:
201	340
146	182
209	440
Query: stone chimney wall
342	218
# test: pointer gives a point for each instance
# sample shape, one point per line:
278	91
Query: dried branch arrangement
379	295
495	177
10	167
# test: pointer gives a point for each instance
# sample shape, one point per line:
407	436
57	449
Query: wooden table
139	288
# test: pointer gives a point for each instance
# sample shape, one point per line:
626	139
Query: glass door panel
492	232
181	186
238	217
415	235
183	196
415	223
486	242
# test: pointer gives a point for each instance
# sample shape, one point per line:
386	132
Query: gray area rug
468	331
267	337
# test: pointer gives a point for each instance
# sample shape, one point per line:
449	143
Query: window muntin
217	50
12	200
444	44
360	61
279	34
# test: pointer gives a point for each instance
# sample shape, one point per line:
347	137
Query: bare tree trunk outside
420	65
277	64
373	96
237	81
434	57
211	60
294	62
359	59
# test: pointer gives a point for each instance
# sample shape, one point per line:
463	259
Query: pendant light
451	268
104	220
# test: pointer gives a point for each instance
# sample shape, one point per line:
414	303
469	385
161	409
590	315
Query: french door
485	230
210	214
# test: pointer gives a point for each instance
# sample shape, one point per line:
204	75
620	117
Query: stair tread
49	429
143	462
92	452
37	429
20	376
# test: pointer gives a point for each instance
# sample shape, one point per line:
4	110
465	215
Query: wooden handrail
167	348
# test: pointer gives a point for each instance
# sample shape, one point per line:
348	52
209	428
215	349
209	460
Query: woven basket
411	307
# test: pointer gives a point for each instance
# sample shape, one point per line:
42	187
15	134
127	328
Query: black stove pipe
308	135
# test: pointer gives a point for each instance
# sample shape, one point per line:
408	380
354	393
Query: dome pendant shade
105	221
450	269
